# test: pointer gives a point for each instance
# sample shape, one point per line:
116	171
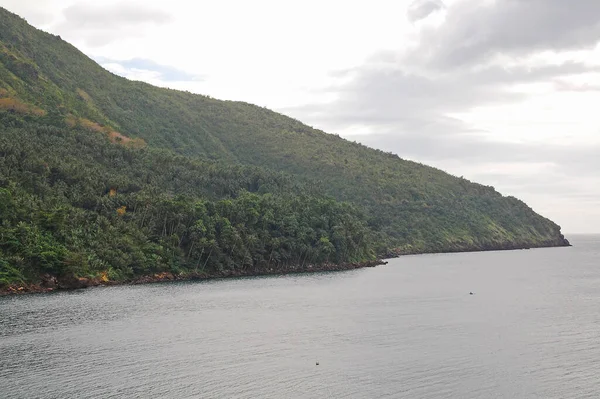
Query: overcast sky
502	92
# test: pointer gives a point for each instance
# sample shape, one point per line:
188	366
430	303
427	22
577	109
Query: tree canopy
102	176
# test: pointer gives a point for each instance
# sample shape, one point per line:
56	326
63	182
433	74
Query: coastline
562	242
53	284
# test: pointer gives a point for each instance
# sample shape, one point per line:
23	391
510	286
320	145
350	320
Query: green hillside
99	173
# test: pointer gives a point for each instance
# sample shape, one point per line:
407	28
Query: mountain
102	177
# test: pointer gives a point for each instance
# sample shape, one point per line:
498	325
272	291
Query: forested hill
100	175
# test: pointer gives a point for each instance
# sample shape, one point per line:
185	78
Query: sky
502	92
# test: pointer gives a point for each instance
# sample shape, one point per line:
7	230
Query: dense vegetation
101	176
74	204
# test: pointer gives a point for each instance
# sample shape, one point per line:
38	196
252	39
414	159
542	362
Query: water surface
406	330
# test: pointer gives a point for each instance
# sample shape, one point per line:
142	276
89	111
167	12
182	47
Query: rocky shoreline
559	242
51	283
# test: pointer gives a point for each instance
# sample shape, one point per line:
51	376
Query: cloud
38	14
421	9
471	149
560	181
99	25
474	31
389	95
112	16
482	54
144	69
565	85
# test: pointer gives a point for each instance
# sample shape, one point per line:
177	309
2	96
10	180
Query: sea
507	324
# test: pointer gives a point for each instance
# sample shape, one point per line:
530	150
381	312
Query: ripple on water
405	330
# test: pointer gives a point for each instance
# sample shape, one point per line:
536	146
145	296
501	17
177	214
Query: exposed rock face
49	282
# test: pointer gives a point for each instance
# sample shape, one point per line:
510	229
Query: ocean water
409	329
